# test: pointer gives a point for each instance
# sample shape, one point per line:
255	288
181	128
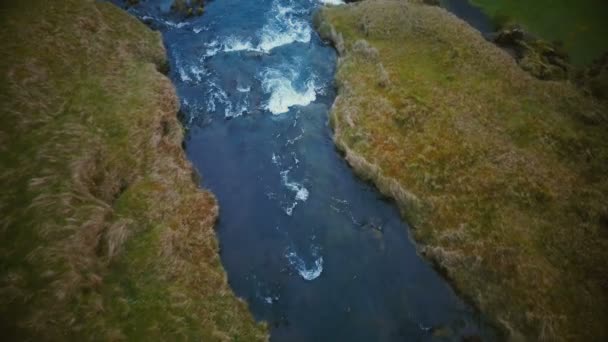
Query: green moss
579	25
104	235
500	174
188	7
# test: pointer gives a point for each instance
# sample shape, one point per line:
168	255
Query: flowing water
471	14
317	253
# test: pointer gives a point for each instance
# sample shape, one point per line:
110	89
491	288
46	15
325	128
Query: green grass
103	233
501	175
580	25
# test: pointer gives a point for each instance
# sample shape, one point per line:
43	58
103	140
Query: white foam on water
198	72
341	201
181	70
166	22
307	273
216	96
289	210
275	160
293	141
234	44
190	73
295	158
183	75
232	111
282	28
176	25
332	2
271	299
242	89
198	30
283	94
301	193
212	49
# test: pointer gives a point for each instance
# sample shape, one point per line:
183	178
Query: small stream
316	252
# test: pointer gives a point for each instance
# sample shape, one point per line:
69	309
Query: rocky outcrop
540	58
188	7
594	78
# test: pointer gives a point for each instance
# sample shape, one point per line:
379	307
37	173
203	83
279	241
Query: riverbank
105	234
500	174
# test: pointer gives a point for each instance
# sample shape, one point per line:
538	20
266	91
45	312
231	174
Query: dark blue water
317	253
471	14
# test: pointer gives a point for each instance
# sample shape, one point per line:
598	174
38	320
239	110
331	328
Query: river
317	253
473	15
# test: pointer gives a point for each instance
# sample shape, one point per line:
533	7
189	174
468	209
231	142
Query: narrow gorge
303	170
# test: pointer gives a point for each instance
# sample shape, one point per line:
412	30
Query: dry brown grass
501	175
104	234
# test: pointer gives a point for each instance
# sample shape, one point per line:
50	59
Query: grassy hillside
103	232
580	25
502	176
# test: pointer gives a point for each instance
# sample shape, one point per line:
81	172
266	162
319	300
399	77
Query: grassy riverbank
501	175
104	234
579	25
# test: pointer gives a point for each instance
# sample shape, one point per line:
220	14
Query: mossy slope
501	175
104	234
578	25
